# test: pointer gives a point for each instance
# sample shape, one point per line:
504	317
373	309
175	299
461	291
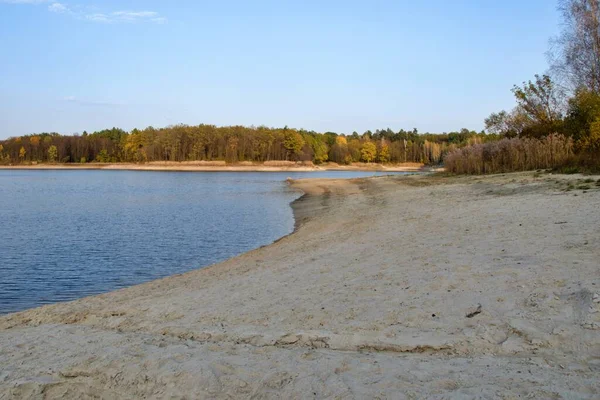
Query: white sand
367	299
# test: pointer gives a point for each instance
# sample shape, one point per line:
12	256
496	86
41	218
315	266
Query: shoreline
207	167
371	293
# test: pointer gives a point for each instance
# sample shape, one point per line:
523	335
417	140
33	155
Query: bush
568	169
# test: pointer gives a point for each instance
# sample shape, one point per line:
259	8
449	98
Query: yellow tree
22	153
384	153
591	142
368	152
133	147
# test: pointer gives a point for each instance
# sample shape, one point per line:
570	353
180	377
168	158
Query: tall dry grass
507	155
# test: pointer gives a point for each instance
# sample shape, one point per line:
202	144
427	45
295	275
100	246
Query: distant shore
274	166
411	286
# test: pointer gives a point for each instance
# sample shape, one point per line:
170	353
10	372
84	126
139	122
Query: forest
235	144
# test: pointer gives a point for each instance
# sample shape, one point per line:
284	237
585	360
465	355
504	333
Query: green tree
583	111
52	153
540	102
103	156
507	124
368	152
318	146
22	153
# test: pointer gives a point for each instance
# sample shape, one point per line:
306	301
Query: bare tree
575	53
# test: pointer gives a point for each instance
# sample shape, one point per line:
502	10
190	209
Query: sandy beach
390	287
221	166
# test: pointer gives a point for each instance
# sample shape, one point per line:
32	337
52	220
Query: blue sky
332	65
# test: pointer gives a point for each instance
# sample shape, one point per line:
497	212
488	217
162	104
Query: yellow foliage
591	142
368	152
34	140
52	153
341	140
384	153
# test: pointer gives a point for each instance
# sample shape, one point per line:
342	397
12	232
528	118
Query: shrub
568	169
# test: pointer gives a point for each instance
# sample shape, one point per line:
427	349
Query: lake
70	234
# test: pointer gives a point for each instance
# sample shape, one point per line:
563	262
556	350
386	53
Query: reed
508	155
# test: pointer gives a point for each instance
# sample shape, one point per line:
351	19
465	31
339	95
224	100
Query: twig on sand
474	313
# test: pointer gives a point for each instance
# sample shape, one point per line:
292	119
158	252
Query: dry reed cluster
507	155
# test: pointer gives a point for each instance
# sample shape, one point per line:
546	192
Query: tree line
235	144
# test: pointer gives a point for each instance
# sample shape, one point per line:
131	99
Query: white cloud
97	17
80	12
126	16
58	8
135	14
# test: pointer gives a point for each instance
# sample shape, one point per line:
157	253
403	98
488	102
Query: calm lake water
69	234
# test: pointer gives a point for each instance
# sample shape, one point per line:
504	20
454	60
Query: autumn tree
540	103
591	142
52	153
231	144
22	153
339	150
582	122
368	152
383	155
293	142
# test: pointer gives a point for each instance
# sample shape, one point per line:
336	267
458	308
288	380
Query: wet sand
390	287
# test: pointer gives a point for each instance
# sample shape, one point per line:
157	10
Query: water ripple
69	234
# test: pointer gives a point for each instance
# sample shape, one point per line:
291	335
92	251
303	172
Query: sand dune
392	287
